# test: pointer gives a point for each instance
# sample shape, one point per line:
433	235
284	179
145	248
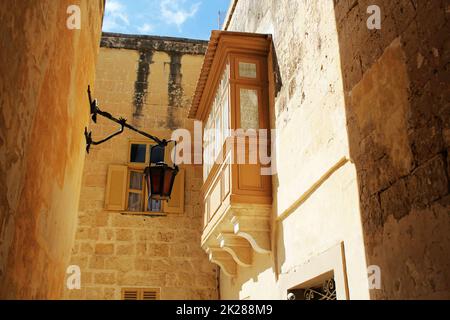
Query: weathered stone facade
396	82
379	100
149	81
45	70
362	121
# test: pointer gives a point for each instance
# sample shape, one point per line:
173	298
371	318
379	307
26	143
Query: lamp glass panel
157	154
156	176
168	176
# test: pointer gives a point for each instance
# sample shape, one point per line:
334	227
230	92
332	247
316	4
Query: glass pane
247	70
249	109
154	205
134	202
136	180
137	153
157	154
225	116
218	138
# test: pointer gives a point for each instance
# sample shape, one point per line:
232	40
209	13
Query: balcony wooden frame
237	198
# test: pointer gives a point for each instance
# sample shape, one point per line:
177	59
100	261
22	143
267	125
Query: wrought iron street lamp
159	176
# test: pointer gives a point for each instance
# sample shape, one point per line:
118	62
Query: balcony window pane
249	109
218	140
225	116
247	70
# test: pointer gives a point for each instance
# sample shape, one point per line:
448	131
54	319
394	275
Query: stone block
125	249
428	182
395	201
86	248
144	264
165	236
124	234
144	279
152	249
104	248
105	234
119	263
108	278
102	219
96	262
94	293
111	294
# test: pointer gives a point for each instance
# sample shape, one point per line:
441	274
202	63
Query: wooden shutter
141	294
130	294
116	187
150	294
176	202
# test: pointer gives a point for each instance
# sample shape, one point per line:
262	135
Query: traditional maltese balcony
232	101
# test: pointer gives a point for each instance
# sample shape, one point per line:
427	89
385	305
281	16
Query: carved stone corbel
256	230
223	259
238	247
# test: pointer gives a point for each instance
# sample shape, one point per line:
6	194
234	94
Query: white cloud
145	28
116	17
173	12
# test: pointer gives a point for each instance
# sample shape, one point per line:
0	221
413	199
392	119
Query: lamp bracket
95	110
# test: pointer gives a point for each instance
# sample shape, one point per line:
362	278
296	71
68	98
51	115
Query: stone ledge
153	43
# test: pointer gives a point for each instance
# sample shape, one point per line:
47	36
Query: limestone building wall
45	70
149	81
362	120
396	86
315	209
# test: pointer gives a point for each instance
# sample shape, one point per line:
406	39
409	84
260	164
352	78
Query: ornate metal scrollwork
326	292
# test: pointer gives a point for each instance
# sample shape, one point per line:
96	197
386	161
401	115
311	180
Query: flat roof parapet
154	43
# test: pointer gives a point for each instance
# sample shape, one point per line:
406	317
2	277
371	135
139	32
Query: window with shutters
141	294
126	189
137	199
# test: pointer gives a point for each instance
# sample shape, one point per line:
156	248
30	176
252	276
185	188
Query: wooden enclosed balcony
232	101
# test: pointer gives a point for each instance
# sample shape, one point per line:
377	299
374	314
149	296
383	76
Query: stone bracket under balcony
242	231
255	229
237	247
223	259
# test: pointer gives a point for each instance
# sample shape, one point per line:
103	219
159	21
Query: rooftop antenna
218	20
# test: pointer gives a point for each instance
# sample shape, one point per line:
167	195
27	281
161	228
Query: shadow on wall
275	82
398	117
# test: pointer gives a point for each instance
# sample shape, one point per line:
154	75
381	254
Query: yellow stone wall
45	70
114	250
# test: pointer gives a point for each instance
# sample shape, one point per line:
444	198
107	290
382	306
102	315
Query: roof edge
208	62
156	43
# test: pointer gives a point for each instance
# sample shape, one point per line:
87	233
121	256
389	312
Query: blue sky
177	18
